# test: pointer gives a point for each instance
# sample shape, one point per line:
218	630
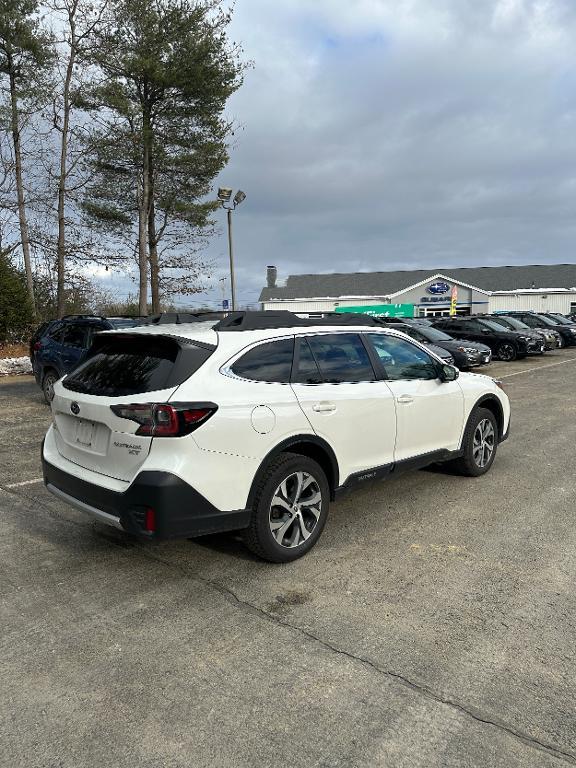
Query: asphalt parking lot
433	625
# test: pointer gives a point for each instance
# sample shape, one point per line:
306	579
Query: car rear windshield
130	365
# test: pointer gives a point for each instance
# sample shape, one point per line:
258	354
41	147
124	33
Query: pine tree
169	70
15	310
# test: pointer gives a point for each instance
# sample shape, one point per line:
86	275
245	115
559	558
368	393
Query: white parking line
539	368
26	482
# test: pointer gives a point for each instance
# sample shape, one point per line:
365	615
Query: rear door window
75	336
270	362
475	326
56	334
341	357
307	371
120	366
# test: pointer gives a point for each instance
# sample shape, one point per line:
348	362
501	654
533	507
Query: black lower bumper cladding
179	510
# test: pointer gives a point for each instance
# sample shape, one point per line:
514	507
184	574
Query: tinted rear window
124	366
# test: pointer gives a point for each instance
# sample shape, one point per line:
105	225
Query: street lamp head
224	194
239	197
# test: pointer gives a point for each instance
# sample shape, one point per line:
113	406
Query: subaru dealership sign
439	288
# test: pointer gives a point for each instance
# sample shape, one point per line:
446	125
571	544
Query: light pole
224	196
222	282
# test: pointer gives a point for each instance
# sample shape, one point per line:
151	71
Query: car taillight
37	346
166	420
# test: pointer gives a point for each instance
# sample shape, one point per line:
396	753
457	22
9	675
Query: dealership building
426	292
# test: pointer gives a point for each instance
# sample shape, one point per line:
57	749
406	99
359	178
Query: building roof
357	284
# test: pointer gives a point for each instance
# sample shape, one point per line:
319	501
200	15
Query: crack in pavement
468	711
420	688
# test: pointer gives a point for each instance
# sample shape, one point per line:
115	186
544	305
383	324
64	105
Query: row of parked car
468	342
59	346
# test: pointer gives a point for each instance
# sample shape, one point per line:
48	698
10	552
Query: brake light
37	346
166	420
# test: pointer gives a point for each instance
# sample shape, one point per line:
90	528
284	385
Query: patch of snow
10	366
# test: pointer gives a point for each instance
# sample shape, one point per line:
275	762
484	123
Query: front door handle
324	407
405	399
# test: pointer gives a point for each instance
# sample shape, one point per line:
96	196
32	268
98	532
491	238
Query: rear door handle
405	399
324	407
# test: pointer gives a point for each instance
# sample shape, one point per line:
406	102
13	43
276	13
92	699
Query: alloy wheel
49	382
295	509
484	442
506	352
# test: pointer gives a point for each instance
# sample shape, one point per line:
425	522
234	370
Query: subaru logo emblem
75	408
438	288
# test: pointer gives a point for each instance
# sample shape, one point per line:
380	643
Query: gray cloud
389	133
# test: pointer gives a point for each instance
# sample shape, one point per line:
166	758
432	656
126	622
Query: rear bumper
179	510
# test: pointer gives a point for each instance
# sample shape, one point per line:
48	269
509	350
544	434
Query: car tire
50	378
507	351
479	444
284	531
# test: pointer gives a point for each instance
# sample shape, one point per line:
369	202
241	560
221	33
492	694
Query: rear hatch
121	369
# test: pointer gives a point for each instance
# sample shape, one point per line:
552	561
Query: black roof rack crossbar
255	321
179	318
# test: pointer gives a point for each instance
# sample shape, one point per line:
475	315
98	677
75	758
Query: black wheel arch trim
499	415
294	442
50	369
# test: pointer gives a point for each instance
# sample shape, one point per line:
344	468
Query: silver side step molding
97	514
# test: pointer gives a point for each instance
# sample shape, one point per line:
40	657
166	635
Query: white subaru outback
256	423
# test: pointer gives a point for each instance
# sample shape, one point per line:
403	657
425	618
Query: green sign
382	310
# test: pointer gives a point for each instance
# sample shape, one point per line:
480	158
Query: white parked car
256	423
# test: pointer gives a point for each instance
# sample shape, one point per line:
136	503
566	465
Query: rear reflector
166	419
150	520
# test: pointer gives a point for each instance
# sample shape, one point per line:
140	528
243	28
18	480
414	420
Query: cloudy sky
387	134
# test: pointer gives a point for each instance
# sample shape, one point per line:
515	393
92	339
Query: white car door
346	405
429	412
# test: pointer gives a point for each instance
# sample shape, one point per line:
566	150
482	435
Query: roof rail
255	321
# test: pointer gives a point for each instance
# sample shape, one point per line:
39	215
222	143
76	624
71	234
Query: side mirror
448	373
